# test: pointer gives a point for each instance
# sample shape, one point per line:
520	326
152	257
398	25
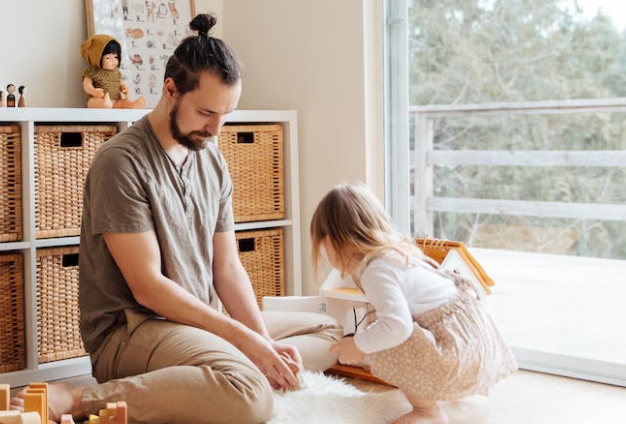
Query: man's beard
186	140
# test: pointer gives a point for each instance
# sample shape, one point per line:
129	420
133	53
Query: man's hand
288	350
349	353
266	356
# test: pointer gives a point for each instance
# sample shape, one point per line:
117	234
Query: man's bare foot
62	399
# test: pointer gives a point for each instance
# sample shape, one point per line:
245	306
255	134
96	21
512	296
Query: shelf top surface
113	115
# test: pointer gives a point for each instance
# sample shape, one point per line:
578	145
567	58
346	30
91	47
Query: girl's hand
349	353
124	89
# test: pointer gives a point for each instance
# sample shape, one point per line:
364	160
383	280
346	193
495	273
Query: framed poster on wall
148	31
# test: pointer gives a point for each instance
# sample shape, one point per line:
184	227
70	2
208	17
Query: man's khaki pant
173	373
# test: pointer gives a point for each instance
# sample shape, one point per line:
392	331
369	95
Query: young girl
432	337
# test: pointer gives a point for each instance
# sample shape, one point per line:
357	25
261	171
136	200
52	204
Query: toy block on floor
5	397
16	417
36	400
67	419
118	412
115	413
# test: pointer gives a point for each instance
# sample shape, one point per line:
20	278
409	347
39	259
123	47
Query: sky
616	9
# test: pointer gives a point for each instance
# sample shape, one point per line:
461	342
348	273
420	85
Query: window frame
397	178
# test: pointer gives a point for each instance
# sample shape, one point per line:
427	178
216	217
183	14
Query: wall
216	7
40	48
322	58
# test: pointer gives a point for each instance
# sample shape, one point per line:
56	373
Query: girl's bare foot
62	399
422	417
424	412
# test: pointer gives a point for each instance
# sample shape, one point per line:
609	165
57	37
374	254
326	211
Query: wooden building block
115	413
42	389
5	396
16	417
67	419
38	386
103	414
121	413
34	402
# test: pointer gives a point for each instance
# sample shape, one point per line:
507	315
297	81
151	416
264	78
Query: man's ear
169	88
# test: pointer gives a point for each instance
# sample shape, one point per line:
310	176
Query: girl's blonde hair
355	221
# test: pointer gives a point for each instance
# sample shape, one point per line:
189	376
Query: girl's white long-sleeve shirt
398	293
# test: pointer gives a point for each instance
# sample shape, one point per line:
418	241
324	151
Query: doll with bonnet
102	80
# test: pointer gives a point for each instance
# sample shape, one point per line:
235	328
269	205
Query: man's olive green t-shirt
133	186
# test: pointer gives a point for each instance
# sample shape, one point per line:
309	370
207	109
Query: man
157	236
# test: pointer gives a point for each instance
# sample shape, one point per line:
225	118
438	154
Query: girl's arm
382	283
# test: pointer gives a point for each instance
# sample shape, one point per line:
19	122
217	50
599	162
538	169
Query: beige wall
312	56
322	58
216	7
40	48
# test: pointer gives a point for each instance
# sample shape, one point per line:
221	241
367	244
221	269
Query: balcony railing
424	158
550	307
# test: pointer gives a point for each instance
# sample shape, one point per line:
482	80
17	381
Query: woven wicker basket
57	304
261	253
63	154
12	357
254	154
11	183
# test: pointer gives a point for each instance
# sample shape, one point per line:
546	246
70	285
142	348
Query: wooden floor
525	398
535	398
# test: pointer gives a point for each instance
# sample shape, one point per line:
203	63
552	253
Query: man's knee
258	410
254	405
315	348
251	399
331	328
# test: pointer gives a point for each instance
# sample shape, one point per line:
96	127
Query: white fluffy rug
329	400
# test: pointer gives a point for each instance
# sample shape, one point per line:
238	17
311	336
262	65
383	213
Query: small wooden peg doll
10	95
22	91
1	98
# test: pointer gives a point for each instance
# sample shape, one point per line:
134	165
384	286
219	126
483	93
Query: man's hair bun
203	23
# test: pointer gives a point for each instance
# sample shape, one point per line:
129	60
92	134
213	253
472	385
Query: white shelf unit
27	118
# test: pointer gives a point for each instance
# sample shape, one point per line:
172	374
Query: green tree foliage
477	51
472	51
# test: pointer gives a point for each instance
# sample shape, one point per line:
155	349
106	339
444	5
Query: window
507	120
